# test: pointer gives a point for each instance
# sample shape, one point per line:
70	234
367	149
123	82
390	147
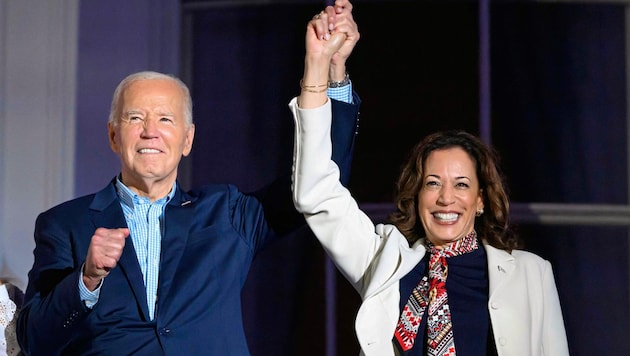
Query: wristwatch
343	83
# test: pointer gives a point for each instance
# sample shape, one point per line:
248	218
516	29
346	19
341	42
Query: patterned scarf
431	292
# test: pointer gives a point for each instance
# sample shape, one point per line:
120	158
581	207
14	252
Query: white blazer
523	302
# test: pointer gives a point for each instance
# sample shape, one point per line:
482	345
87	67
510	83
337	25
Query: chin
442	240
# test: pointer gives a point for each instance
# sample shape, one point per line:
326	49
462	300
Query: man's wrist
91	283
342	83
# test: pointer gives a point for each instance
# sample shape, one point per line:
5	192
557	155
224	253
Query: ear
480	204
190	136
111	133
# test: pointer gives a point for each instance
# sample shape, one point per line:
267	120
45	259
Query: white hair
149	75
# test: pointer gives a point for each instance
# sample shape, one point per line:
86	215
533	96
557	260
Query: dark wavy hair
493	226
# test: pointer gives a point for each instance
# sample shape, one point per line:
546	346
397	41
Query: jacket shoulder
528	256
78	203
530	260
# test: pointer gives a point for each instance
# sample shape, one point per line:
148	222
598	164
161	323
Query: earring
479	212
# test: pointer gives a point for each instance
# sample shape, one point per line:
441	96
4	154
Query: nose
149	128
446	196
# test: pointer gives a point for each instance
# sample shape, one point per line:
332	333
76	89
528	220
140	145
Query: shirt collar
129	198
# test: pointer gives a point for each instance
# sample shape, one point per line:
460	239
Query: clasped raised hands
333	33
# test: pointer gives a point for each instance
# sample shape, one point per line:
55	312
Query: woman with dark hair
493	226
445	276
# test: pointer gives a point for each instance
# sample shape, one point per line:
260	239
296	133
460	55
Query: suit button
502	341
495	305
165	331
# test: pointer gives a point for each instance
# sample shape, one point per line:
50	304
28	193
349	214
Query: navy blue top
467	288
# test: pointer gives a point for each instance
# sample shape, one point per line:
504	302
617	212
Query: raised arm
346	233
325	61
345	110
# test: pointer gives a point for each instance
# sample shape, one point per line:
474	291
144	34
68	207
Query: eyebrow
456	178
140	112
132	112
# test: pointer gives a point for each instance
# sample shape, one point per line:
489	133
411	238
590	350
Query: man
142	267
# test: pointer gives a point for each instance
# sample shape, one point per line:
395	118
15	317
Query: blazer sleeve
346	233
345	127
554	334
276	198
53	309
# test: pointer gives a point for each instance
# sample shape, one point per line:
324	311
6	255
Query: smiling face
150	135
449	196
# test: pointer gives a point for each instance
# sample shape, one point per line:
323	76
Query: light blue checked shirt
146	226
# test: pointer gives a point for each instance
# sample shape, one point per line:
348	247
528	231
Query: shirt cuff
88	297
343	93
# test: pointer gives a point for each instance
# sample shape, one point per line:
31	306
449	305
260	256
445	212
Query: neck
151	189
455	245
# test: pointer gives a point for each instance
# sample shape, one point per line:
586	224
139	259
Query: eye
133	119
166	119
432	184
462	185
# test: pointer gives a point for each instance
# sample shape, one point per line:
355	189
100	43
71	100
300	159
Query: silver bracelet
343	83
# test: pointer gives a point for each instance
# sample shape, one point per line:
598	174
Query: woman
444	277
10	303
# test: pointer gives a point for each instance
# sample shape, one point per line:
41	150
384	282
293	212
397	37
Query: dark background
557	117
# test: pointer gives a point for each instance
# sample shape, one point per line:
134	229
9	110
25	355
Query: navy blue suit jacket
211	235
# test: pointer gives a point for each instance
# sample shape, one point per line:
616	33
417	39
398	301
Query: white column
38	50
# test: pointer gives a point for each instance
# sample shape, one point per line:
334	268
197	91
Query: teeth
149	150
448	217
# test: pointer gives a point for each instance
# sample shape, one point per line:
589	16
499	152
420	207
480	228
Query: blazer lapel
106	212
500	267
178	218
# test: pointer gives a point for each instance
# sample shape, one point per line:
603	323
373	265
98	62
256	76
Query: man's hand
103	254
342	22
336	19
